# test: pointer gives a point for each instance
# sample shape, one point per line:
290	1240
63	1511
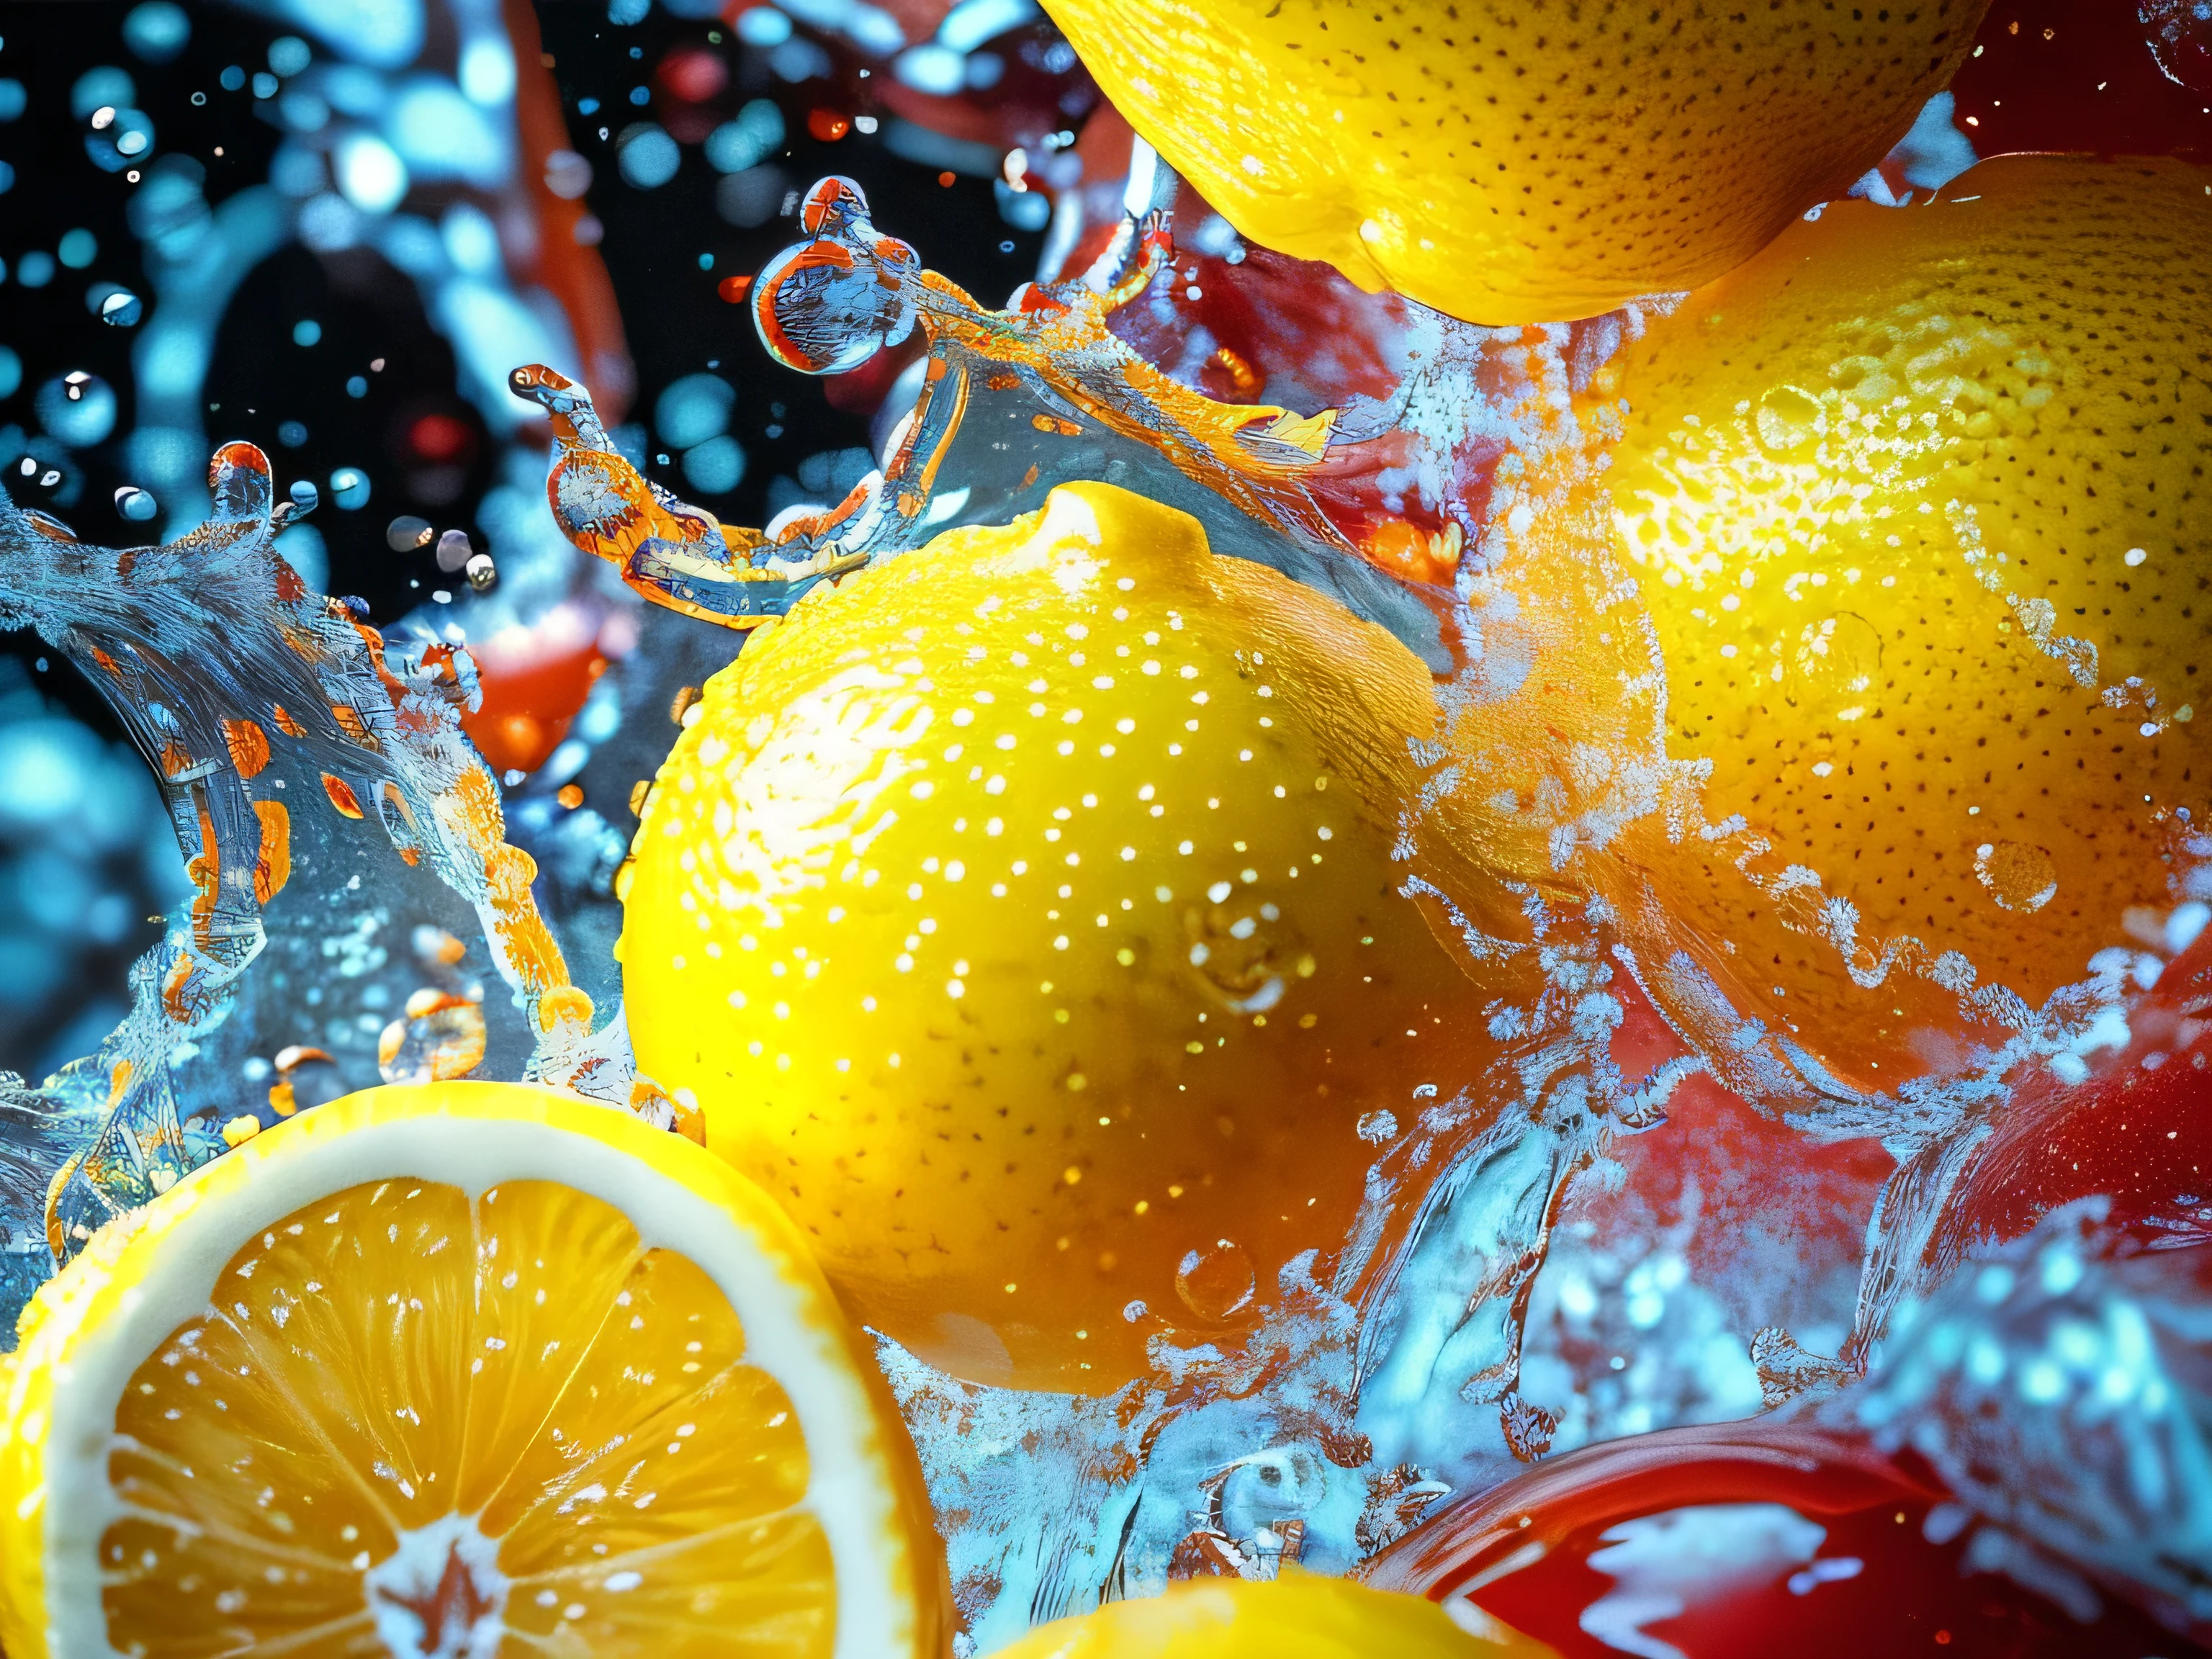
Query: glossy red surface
2138	1128
1695	1542
2075	74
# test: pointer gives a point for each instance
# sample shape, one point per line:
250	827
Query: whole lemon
1023	914
1919	503
1512	160
1298	1614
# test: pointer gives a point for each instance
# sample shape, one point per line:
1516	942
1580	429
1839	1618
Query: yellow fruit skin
1298	1614
100	1286
1511	163
1861	477
914	962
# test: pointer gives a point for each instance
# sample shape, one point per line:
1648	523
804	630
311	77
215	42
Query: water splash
318	780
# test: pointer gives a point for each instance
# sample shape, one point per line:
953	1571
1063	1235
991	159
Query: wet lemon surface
1024	916
1917	501
1511	163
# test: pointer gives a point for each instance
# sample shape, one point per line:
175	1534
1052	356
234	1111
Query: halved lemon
450	1372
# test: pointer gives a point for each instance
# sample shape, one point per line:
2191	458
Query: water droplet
440	1036
481	571
1215	1282
349	487
136	504
1375	1127
306	1078
305	498
2019	876
1835	665
454	550
1788	417
407	532
122	308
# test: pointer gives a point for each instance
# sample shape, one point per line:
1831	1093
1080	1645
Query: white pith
790	1333
412	1573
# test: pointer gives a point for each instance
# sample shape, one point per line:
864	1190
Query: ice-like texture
346	846
2058	1387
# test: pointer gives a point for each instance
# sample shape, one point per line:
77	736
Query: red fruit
2050	75
2138	1128
1750	1538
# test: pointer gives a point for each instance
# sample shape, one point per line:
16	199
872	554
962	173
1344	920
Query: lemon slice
451	1372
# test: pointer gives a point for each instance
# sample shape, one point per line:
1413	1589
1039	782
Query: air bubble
2019	877
122	309
453	551
1215	1282
136	504
406	533
441	1037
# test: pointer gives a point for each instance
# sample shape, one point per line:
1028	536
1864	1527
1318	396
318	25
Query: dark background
675	322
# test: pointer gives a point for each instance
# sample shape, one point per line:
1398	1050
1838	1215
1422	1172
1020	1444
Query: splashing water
356	878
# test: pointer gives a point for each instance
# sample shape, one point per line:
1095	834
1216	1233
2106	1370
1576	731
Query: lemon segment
466	1369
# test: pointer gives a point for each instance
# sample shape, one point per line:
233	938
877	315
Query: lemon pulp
412	1424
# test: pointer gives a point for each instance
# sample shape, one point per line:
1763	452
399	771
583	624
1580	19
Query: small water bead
349	487
481	571
1217	1282
406	534
2019	877
136	504
1833	664
453	551
78	408
122	309
440	1036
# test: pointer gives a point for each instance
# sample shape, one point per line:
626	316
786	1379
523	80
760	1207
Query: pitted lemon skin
1298	1614
1918	502
1517	162
1024	916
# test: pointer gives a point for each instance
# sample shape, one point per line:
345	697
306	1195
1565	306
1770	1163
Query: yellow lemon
1517	162
1919	503
1298	1614
462	1369
1024	916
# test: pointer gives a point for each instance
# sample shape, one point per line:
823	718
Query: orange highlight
341	794
248	744
273	867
